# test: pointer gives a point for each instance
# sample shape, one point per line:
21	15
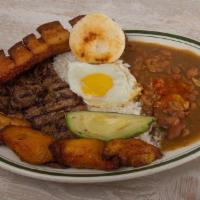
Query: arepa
97	39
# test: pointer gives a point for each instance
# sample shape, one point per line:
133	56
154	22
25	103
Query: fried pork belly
56	37
75	19
82	153
38	47
14	121
132	152
30	145
23	55
7	67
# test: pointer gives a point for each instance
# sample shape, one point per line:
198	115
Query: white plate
9	161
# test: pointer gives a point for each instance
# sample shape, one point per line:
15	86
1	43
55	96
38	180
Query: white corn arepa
96	39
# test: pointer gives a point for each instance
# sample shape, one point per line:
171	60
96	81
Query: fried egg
101	86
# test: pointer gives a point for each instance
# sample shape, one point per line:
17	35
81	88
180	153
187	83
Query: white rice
60	65
130	108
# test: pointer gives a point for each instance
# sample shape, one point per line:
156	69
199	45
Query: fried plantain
132	152
38	47
30	145
19	122
82	153
4	121
7	120
56	37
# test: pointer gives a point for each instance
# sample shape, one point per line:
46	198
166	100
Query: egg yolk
97	84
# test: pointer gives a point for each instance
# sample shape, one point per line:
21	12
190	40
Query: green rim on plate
154	34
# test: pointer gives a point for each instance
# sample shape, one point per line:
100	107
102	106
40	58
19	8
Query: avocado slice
107	126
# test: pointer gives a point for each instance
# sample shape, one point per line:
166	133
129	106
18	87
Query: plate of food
96	103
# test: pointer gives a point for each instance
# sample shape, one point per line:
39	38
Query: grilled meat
42	98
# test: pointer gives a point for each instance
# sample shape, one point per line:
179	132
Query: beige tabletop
20	17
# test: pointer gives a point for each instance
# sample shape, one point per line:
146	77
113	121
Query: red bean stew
171	81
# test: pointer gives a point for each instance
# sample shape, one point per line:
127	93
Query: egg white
124	89
120	98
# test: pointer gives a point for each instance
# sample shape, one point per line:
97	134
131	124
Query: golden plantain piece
23	55
30	145
19	122
4	121
132	152
82	153
38	47
7	121
55	36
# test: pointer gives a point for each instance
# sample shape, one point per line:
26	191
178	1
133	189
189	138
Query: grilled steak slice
25	96
43	99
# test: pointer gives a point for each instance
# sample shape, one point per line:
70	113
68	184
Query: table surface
20	17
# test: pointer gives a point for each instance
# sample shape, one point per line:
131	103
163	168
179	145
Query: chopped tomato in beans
169	93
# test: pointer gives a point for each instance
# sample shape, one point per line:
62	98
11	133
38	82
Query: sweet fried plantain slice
82	153
4	121
19	122
7	67
7	121
30	145
21	56
132	152
56	37
38	47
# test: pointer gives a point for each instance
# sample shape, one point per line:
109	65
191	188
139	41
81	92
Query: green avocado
107	126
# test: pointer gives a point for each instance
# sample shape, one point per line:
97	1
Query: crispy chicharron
23	55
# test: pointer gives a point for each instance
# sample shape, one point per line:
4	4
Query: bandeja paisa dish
90	98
